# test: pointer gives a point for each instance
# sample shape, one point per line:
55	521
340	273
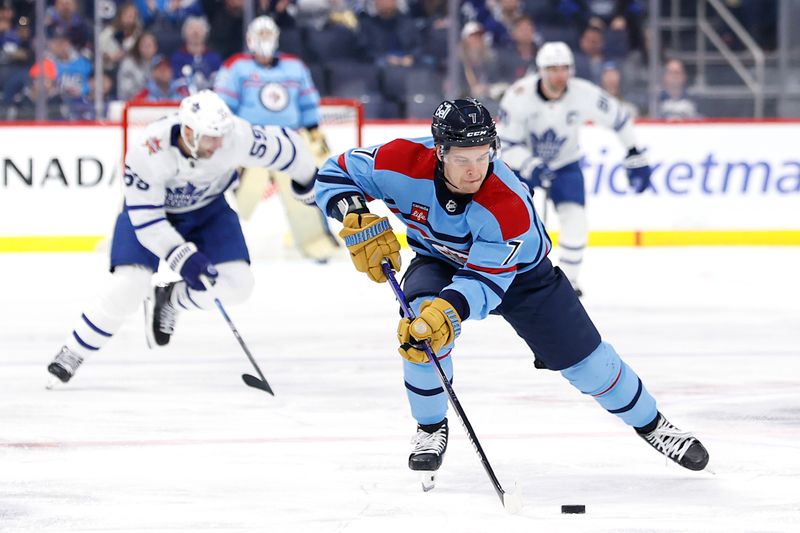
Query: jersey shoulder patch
236	58
505	205
406	157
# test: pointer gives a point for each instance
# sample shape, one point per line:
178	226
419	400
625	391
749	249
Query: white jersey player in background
539	119
175	211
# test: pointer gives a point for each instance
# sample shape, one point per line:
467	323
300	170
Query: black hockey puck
573	509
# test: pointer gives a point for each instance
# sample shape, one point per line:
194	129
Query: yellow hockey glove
438	323
369	239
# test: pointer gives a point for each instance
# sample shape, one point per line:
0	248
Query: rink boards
723	183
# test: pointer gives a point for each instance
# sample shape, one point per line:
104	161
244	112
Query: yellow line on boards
88	243
50	243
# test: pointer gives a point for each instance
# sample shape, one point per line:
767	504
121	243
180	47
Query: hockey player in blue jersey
267	87
480	249
174	211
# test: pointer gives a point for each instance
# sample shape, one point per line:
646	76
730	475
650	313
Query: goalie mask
262	36
207	115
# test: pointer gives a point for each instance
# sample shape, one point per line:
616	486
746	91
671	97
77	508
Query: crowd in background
389	54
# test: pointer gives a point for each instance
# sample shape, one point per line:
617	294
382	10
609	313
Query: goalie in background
270	88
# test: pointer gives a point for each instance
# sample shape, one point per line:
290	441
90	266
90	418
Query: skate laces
425	442
670	440
167	315
68	359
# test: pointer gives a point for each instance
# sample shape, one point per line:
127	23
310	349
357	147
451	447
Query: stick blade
252	381
512	500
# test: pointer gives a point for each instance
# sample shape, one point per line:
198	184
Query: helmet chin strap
191	146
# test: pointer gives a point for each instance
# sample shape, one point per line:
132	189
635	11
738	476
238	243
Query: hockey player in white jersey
175	211
538	126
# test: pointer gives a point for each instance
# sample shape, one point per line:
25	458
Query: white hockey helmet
206	114
555	54
262	36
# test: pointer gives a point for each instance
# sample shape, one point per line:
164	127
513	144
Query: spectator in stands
281	11
589	58
433	24
134	70
624	16
173	11
391	37
73	69
227	37
63	16
83	108
505	12
161	86
674	102
194	64
611	81
119	37
519	56
22	104
479	66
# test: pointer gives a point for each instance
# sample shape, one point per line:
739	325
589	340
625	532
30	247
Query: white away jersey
159	179
531	126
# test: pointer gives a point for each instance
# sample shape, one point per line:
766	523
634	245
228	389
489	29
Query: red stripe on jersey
236	57
411	159
412	226
490	270
506	206
612	385
341	162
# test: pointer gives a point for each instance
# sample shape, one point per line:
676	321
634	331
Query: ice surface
172	440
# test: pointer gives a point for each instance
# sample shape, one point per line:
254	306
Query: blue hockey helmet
463	122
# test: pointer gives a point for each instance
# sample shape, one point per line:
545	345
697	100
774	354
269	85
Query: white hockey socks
572	239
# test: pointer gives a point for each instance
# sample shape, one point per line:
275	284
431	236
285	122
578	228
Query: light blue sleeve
227	86
346	174
308	100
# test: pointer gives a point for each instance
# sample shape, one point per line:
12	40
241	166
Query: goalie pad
308	225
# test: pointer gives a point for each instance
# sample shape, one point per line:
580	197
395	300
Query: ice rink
173	441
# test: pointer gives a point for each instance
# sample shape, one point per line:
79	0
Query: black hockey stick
512	501
249	380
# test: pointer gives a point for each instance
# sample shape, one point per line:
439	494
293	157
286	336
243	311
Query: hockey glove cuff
304	193
187	261
536	173
369	239
638	170
438	323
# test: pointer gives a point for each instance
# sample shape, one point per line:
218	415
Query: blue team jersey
491	235
280	94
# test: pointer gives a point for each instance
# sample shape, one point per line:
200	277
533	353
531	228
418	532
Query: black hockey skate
430	443
680	446
64	366
160	315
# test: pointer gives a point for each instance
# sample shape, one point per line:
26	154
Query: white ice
172	440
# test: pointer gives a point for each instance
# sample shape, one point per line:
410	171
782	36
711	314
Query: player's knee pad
596	372
127	289
235	282
573	228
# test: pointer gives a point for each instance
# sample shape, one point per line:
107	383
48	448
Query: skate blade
428	481
149	304
53	383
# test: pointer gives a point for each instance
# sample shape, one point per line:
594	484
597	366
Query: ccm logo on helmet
477	133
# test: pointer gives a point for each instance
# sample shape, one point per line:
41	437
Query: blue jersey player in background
480	249
270	88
